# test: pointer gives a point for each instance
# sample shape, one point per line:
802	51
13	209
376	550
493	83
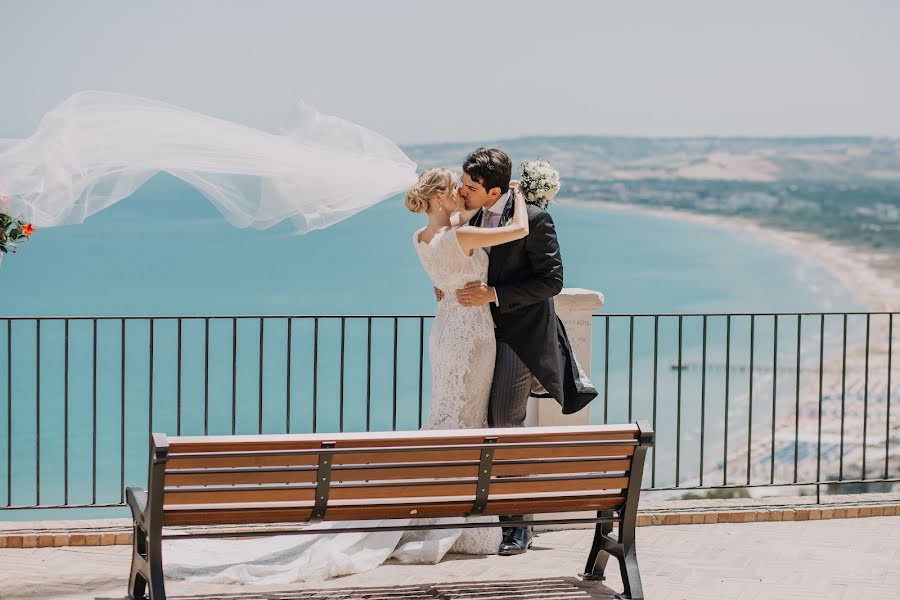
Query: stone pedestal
574	307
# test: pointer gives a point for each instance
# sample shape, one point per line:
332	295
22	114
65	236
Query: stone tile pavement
825	559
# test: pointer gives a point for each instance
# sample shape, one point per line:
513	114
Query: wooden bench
306	479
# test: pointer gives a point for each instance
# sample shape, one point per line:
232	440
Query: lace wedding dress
461	350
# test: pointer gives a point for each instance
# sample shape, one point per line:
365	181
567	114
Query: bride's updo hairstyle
431	183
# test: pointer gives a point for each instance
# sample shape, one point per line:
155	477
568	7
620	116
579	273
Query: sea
166	252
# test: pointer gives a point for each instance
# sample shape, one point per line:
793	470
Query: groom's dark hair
490	167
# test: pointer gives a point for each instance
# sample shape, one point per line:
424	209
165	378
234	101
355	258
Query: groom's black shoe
516	541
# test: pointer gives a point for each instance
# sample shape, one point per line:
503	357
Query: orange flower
28	229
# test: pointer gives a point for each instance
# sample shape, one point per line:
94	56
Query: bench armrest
136	498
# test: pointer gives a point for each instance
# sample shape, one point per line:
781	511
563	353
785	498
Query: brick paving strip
110	532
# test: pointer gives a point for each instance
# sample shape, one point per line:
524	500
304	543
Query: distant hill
842	188
854	159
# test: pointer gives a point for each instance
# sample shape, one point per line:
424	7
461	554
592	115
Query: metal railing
738	401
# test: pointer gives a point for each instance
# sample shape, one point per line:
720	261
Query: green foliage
13	233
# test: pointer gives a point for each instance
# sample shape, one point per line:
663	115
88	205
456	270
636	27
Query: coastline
873	278
848	408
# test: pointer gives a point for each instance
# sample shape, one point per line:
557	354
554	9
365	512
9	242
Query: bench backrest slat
390	471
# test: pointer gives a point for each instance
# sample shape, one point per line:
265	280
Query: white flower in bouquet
539	182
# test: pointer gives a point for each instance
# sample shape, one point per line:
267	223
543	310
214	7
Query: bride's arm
461	218
478	237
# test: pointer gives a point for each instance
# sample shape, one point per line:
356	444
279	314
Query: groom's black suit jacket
527	274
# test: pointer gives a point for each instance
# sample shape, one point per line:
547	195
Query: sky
442	71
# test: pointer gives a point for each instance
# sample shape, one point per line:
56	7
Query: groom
523	277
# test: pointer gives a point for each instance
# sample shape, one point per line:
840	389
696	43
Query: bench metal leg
606	544
146	567
154	558
137	583
146	556
598	556
631	575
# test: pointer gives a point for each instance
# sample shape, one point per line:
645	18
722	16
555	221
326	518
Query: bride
461	350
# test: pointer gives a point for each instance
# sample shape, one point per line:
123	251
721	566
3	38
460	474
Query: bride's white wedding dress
462	345
461	350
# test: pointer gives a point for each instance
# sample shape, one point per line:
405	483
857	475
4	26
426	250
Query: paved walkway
836	559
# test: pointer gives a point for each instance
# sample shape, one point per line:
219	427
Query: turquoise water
166	251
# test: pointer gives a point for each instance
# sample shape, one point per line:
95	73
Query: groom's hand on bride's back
476	293
438	294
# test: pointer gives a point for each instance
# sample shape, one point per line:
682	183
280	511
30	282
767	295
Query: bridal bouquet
539	182
13	233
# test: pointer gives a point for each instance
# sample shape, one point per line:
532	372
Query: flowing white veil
97	148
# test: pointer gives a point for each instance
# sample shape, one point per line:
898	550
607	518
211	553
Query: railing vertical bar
315	407
866	401
727	380
66	414
150	374
655	369
606	375
421	364
287	406
396	324
9	401
702	401
234	343
262	330
178	377
368	373
122	419
819	434
37	412
94	417
678	415
206	376
630	364
341	401
774	398
843	396
797	402
887	422
750	403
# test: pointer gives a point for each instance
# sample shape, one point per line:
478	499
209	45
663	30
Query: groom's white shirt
496	209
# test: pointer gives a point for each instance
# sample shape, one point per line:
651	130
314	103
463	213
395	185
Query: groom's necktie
490	220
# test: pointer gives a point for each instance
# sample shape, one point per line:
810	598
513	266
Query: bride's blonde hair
431	183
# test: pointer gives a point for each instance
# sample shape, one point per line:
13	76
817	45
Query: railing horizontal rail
411	316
